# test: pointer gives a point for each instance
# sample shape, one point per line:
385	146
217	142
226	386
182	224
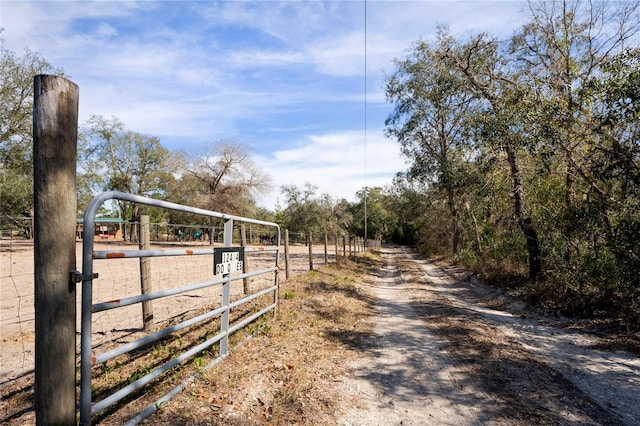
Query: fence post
310	251
344	247
335	242
226	291
326	253
145	273
55	139
245	260
286	254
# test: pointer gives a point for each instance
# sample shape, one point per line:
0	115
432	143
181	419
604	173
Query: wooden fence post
286	254
326	252
310	251
55	140
145	273
336	248
344	247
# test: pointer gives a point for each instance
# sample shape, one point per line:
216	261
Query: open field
118	278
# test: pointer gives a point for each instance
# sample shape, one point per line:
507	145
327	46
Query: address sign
227	260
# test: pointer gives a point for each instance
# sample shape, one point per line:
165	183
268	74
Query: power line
365	123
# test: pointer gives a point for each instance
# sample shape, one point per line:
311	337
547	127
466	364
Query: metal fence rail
88	358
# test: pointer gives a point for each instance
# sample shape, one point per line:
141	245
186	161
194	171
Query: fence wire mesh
119	278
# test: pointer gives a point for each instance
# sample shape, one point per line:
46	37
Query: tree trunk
454	219
526	223
477	245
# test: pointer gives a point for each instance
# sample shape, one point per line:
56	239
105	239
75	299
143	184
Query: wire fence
120	278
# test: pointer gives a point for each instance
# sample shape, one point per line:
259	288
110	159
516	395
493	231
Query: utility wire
365	123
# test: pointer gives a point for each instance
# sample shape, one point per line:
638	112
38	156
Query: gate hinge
77	277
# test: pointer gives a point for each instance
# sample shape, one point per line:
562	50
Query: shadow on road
430	360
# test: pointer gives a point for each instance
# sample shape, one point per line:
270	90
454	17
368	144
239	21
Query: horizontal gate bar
129	254
112	304
120	303
143	381
106	356
253	296
241	324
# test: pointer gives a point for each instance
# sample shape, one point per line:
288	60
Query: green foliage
16	134
378	217
560	103
306	212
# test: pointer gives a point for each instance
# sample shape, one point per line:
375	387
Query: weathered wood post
336	248
310	251
55	138
326	252
286	254
145	273
344	247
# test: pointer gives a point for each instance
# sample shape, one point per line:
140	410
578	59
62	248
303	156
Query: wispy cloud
340	163
285	77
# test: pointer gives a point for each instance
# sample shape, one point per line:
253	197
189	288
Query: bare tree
225	177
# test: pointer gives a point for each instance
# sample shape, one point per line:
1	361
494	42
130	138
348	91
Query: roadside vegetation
285	371
525	154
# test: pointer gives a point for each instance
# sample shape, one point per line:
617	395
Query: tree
114	158
431	109
615	169
563	46
406	200
16	134
304	211
483	66
378	217
225	178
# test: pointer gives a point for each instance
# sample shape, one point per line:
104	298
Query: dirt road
450	351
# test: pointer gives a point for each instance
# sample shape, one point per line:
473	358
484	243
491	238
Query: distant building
106	228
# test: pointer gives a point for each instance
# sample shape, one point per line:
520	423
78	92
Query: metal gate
228	266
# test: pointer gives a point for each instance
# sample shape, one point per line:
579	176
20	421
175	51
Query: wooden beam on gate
55	140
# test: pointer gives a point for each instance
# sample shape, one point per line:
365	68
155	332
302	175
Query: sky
301	83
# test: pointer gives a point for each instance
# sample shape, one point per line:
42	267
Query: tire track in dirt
406	377
440	354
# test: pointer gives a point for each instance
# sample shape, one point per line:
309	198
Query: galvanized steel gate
87	358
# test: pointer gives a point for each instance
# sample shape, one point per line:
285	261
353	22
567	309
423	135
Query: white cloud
105	30
335	162
253	58
341	55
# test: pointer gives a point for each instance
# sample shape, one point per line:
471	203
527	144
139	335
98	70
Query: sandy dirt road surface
448	350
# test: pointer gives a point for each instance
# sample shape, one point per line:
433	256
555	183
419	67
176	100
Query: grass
280	371
285	371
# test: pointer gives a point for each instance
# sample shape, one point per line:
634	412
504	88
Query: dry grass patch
285	370
280	371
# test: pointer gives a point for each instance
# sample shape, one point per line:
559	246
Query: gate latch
77	277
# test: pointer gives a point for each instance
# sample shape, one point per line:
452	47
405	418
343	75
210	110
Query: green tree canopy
16	128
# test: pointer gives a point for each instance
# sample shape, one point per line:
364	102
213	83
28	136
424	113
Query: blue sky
285	78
